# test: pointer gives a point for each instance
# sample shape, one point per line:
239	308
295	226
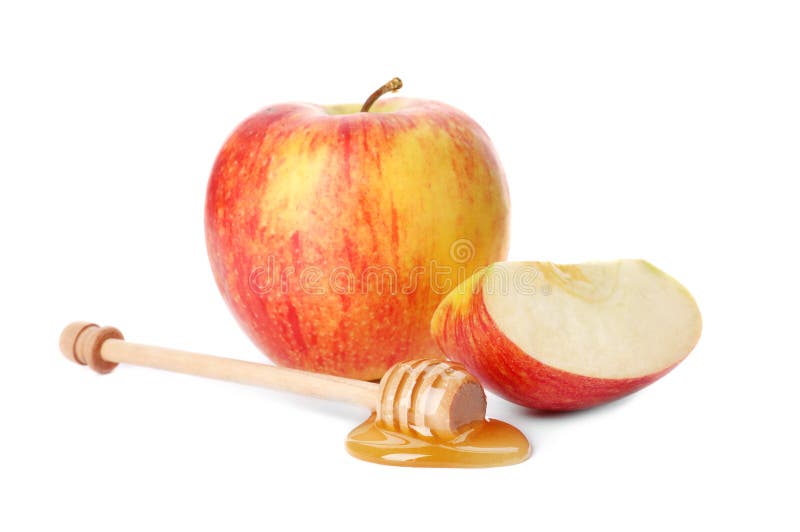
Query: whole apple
334	231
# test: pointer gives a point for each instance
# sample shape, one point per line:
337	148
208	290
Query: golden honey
487	443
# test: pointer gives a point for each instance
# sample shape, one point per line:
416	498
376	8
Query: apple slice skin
465	331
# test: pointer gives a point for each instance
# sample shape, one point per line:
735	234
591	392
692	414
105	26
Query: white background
668	131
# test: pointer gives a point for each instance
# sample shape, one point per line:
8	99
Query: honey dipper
426	397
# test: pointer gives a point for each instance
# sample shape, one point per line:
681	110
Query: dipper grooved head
430	397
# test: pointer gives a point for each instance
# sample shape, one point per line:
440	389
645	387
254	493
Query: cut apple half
566	337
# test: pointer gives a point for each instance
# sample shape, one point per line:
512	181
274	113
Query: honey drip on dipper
428	412
431	413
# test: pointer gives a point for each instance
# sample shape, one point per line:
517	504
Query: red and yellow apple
333	234
567	337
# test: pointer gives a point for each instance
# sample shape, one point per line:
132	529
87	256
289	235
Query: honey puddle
488	444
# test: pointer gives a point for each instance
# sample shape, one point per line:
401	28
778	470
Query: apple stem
390	86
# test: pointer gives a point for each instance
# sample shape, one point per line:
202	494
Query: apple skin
302	186
467	333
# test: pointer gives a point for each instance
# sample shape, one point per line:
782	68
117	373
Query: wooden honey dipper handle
427	397
102	348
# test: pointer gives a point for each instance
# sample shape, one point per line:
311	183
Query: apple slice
566	337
